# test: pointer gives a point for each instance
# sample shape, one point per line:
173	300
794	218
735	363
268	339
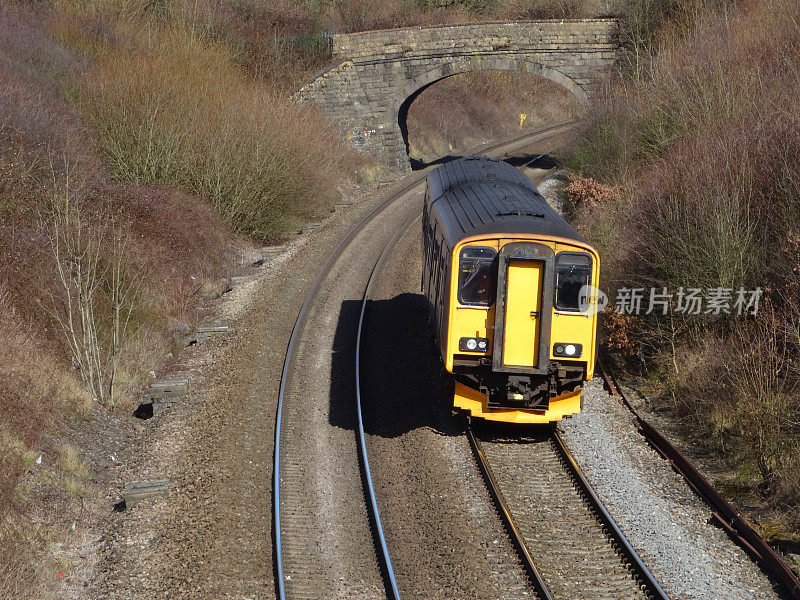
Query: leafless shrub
703	135
763	382
177	111
76	258
584	193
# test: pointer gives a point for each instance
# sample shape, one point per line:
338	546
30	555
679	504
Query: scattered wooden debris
205	332
168	387
240	279
309	227
273	251
163	393
340	206
137	491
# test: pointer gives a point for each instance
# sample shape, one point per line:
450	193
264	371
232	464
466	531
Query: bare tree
122	295
94	300
75	250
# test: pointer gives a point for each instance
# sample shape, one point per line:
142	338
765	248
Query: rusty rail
739	530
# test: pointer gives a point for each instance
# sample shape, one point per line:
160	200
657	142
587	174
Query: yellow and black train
510	287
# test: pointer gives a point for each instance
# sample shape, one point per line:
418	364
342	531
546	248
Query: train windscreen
477	275
573	271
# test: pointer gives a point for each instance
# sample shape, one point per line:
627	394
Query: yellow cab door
523	313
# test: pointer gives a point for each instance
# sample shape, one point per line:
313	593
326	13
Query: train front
522	326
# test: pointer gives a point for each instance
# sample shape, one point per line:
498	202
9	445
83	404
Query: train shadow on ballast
402	379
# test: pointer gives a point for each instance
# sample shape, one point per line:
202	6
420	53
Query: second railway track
324	547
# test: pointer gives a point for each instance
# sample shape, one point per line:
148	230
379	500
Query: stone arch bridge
379	73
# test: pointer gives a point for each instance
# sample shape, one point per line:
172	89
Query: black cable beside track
722	512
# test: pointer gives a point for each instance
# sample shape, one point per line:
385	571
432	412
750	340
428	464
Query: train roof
480	195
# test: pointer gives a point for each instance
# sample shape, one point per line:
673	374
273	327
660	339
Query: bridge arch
442	71
378	73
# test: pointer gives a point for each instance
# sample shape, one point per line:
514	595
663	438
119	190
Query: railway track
302	568
567	541
588	559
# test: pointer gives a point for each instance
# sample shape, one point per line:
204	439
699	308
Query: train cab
511	289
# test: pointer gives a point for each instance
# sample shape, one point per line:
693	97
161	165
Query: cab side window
477	275
573	271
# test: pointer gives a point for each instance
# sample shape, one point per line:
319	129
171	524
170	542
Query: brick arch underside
422	82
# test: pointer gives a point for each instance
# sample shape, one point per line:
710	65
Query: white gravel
658	513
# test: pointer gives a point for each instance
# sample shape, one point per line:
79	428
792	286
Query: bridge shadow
403	384
541	162
418	165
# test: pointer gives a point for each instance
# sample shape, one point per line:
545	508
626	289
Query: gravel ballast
662	518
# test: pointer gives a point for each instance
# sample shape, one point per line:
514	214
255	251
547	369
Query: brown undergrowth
143	145
160	243
702	135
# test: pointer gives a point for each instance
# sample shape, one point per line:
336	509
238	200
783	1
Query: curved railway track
297	571
722	512
569	543
588	559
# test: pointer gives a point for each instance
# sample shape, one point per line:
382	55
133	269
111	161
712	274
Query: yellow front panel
473	321
565	327
523	306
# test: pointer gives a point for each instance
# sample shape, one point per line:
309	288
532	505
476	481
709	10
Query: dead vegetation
136	137
701	131
142	144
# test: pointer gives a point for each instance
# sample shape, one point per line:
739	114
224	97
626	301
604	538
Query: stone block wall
379	70
569	34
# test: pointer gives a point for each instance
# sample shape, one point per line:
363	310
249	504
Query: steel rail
643	574
314	289
387	561
646	577
723	513
505	515
298	325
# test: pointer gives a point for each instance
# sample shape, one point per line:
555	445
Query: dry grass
707	145
41	139
170	118
284	42
175	111
35	393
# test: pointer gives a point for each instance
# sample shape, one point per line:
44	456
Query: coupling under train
510	288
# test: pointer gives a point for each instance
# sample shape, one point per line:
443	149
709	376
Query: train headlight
469	344
568	350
